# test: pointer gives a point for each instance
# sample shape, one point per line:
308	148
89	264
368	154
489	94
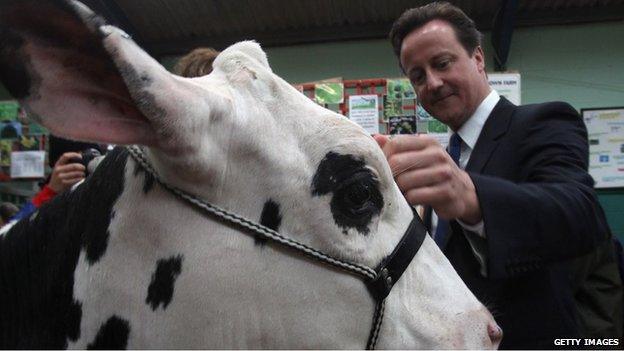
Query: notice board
605	129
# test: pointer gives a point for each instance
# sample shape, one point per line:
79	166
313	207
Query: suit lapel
495	127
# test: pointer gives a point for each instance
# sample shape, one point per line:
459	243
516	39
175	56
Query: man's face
449	82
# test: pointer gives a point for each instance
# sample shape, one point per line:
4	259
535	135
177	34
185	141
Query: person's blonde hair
196	63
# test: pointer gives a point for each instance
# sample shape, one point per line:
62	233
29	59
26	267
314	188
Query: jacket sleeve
553	214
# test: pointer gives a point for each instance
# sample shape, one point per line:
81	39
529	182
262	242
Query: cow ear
54	61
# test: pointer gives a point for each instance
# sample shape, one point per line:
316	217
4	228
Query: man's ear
479	59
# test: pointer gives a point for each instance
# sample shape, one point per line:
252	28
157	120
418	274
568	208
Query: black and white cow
121	262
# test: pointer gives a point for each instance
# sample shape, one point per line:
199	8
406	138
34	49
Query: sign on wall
605	129
27	164
364	110
507	85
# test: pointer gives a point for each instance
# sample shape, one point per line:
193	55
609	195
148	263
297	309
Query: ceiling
172	27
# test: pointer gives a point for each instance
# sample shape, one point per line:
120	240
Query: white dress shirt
469	133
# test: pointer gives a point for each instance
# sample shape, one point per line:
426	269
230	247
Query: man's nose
434	82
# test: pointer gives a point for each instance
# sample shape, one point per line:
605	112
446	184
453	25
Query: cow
239	215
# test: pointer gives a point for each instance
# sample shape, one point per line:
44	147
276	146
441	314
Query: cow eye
358	196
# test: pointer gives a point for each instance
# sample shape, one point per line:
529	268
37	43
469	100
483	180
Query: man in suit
518	216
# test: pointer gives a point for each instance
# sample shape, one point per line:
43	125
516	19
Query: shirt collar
471	129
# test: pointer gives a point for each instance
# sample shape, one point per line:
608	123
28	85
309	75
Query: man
196	63
67	171
518	214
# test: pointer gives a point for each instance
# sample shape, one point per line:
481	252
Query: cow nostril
495	333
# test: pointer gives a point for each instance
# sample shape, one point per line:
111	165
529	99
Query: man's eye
418	79
443	64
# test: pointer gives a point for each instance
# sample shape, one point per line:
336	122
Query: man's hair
465	29
196	63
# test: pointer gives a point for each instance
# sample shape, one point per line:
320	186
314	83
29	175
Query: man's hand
427	175
66	174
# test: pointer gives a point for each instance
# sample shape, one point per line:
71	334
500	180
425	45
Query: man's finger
418	178
71	167
402	143
428	157
69	175
381	139
66	157
435	196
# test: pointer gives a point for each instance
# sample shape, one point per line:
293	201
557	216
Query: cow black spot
74	315
39	258
108	182
148	182
356	198
160	290
113	335
269	218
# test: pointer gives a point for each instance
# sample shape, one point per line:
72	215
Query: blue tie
454	149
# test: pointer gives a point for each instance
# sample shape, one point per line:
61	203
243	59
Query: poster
30	143
364	110
425	123
6	147
10	130
329	93
398	89
402	125
27	164
8	110
507	85
392	108
605	130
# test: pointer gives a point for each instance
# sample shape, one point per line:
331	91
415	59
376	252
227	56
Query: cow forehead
269	115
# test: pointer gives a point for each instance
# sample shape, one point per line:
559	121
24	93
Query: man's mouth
442	98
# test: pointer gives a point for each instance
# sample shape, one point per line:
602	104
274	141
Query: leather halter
379	281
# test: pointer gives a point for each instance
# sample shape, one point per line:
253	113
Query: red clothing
43	196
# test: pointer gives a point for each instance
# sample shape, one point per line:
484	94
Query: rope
239	221
377	319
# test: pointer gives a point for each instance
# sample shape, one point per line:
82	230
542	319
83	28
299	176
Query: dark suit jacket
529	168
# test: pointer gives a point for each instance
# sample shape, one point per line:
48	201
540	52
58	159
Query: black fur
113	335
269	218
38	258
160	290
148	182
356	198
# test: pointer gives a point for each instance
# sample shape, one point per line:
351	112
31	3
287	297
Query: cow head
241	138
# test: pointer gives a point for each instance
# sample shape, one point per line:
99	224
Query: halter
379	281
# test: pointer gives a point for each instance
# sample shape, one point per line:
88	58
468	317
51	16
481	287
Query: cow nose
495	333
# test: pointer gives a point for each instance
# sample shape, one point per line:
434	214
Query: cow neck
379	281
